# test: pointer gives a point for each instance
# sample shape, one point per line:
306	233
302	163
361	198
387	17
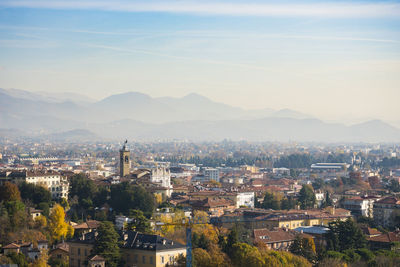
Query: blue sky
331	59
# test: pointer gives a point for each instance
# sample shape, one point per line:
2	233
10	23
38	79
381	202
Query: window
85	252
162	259
135	258
79	263
79	251
151	259
143	259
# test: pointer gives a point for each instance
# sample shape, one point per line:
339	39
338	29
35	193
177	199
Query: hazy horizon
332	60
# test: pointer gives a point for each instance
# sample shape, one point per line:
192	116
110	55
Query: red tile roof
11	246
386	238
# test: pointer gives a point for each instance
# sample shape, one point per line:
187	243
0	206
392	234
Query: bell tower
124	160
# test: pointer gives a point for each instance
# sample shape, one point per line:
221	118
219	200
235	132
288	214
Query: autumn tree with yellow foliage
58	227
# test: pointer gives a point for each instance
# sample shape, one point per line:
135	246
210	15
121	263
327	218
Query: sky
337	60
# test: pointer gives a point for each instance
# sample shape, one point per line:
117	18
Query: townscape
240	203
199	133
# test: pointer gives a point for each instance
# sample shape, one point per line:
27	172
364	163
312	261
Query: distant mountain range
133	115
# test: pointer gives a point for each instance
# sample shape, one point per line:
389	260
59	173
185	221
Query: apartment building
57	184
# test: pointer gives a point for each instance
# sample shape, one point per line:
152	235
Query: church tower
124	160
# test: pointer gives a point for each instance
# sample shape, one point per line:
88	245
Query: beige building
137	249
291	219
276	238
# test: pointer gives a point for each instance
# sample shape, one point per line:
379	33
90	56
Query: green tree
307	197
36	193
45	207
106	244
140	223
344	235
82	187
288	203
328	199
18	259
246	255
318	184
271	201
227	244
126	196
200	241
16	214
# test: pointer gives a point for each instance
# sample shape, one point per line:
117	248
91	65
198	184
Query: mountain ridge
192	117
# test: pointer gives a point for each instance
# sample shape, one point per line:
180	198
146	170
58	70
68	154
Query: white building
211	174
281	171
245	199
360	206
161	176
330	166
51	180
319	198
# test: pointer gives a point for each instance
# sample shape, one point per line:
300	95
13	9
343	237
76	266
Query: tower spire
124	160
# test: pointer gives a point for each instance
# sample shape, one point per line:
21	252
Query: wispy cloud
295	9
141	34
265	69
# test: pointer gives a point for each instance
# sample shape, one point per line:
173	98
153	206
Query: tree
201	258
64	203
293	173
394	185
82	187
36	193
307	197
106	244
227	244
318	184
45	207
288	203
246	255
42	261
328	199
56	262
40	221
58	228
126	196
344	235
200	241
16	214
140	223
18	259
272	201
9	192
304	247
